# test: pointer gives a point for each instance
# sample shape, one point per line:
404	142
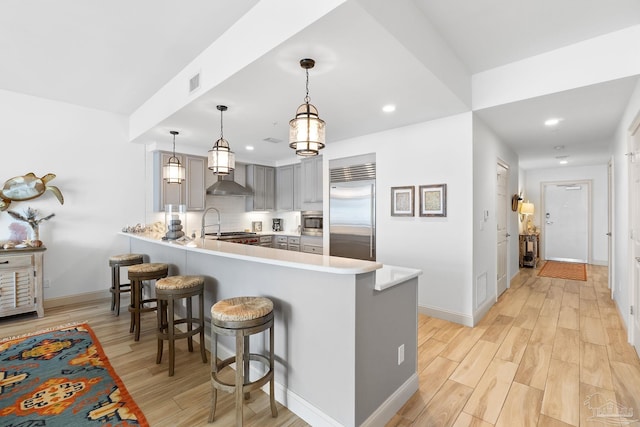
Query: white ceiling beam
597	60
264	27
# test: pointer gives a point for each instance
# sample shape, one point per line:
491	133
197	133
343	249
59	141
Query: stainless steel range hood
226	186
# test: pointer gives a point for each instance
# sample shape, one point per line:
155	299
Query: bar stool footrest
182	334
246	388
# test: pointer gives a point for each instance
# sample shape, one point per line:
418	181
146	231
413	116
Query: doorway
566	221
634	224
502	203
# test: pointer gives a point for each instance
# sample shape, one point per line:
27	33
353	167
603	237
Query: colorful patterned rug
61	377
564	270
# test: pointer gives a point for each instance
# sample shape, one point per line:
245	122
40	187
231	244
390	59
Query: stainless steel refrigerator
352	219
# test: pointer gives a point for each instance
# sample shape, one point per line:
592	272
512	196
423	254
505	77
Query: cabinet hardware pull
4	262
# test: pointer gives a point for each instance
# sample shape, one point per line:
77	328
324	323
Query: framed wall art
433	200
402	201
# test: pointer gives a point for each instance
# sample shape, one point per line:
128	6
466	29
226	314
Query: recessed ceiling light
389	108
249	148
552	122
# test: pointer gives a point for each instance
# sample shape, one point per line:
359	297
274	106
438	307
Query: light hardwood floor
539	354
547	354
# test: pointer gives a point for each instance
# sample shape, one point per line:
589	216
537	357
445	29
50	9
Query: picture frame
402	201
433	200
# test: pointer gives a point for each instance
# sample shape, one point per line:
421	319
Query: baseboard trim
392	405
482	311
451	316
78	298
296	404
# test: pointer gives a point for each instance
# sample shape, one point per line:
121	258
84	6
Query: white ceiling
114	55
110	55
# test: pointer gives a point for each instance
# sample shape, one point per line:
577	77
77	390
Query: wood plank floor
547	347
547	354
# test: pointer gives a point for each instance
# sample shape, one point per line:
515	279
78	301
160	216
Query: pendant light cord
306	98
174	145
221	136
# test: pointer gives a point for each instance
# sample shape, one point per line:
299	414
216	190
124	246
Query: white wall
621	208
100	174
487	151
434	152
597	174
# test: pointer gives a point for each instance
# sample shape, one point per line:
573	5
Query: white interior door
502	204
566	222
634	222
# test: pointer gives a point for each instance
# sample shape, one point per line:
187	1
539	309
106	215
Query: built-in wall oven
311	223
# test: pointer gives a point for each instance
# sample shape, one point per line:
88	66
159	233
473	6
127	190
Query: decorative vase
35	236
35	232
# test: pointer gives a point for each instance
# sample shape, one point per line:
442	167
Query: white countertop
391	275
386	275
324	263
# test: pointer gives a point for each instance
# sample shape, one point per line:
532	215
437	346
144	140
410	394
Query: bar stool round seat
241	317
117	288
137	274
168	290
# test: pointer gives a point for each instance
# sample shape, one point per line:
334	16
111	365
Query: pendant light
222	161
173	171
306	130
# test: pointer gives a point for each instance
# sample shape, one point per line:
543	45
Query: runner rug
61	377
564	270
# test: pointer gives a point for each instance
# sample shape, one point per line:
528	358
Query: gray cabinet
195	190
21	282
297	187
284	188
262	181
311	244
266	241
192	192
311	175
290	243
281	242
293	243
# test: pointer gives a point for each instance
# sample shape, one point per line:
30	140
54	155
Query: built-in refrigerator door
352	220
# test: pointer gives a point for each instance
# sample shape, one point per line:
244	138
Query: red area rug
564	270
61	377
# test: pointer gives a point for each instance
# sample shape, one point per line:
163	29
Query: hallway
549	353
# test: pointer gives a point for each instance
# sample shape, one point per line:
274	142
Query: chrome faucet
204	214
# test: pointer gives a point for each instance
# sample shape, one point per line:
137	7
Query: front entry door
566	222
501	220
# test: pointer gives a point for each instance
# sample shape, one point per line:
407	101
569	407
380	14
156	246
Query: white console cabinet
21	281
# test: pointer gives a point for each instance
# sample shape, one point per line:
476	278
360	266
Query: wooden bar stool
168	290
241	317
137	274
117	288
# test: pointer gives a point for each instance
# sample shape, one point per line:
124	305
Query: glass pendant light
222	161
173	171
306	130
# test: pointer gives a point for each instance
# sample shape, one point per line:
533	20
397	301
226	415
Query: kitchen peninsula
345	329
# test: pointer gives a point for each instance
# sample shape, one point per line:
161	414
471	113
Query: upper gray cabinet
190	193
311	183
262	181
297	187
285	188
